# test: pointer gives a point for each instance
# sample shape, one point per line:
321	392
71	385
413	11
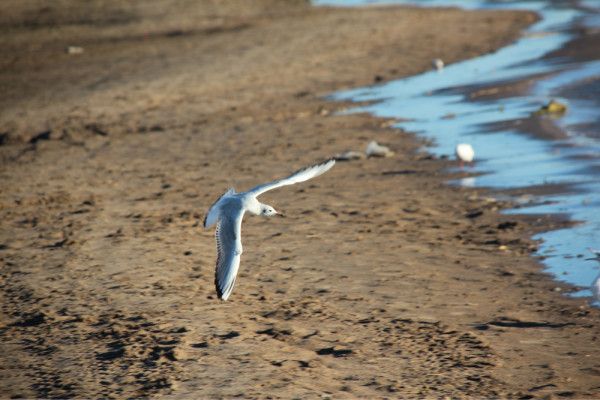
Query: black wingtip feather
219	292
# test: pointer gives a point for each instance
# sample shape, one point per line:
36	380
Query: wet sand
381	282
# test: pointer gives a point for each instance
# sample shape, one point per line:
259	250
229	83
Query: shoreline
105	261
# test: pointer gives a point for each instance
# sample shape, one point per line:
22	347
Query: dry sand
381	282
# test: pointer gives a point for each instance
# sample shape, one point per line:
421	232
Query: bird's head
267	210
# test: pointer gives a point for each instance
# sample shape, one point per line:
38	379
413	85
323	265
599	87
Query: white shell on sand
74	50
374	149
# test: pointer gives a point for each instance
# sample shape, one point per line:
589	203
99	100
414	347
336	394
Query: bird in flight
228	211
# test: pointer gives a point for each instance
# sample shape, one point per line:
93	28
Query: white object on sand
464	152
74	50
374	149
228	211
438	64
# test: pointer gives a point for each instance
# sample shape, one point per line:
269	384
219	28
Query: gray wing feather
301	175
229	249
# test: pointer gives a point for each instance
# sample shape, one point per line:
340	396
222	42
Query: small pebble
74	50
438	64
553	107
374	149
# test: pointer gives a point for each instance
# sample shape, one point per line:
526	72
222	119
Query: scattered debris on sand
375	149
349	156
554	108
74	50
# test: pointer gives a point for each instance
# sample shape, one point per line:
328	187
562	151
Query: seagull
228	211
465	153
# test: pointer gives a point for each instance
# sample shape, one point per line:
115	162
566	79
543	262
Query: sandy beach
381	282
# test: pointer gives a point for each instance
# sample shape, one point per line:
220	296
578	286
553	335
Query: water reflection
436	104
467	182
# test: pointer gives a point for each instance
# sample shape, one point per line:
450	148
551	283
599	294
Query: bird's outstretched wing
212	215
301	175
229	248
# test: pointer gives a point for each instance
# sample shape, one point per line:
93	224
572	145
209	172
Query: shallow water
436	105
